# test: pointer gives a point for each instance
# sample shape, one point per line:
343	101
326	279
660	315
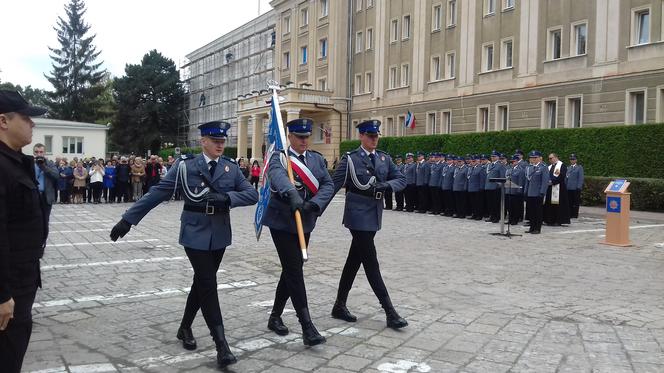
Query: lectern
617	213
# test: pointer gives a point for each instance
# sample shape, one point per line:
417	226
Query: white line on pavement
111	263
81	231
603	229
100	243
142	294
81	221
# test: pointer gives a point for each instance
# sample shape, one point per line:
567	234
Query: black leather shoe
275	324
535	232
187	338
310	336
339	311
224	355
395	321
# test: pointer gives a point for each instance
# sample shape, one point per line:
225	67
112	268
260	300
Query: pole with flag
276	142
409	122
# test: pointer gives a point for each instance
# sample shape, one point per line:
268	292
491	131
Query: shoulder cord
351	168
181	174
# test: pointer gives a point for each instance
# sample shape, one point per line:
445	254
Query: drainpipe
349	75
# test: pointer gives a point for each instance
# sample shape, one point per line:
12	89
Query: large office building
462	66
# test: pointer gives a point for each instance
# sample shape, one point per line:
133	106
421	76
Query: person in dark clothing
152	173
22	229
556	204
122	172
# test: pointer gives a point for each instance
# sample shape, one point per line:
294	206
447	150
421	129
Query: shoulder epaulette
229	159
353	151
187	156
313	151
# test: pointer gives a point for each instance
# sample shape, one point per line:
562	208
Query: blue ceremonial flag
276	142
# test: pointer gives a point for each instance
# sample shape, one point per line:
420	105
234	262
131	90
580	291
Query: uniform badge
368	172
227	168
382	158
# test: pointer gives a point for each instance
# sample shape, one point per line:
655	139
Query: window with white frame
389	127
72	145
636	106
431	123
319	133
450	65
304	17
447	121
579	38
394	30
487	57
506	53
286	60
304	57
451	13
574	112
550	113
436	17
405	27
287	25
508	4
48	144
640	26
405	75
369	44
503	114
322	84
435	69
489	7
400	125
554	43
358	84
322	48
359	40
483	119
324	8
368	82
358	5
394	77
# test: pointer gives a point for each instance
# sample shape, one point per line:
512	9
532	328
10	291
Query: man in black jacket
22	229
122	176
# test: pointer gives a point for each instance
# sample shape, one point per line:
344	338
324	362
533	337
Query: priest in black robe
556	205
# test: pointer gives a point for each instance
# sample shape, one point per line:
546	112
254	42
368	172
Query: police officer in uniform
387	196
494	170
434	184
286	198
399	196
410	171
474	195
574	185
23	229
211	184
460	188
422	182
514	195
447	183
366	173
537	183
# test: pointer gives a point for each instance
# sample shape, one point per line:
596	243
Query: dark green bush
647	194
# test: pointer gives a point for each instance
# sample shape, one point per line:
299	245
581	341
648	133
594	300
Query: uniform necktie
301	158
213	166
372	156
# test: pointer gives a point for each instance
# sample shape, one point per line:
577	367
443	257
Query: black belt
367	193
207	209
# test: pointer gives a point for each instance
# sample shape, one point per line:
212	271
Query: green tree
76	77
149	105
35	96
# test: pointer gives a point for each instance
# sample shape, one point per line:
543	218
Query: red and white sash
305	174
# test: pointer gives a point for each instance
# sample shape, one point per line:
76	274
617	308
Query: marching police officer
366	173
514	194
410	171
494	170
574	185
399	196
537	183
312	192
212	184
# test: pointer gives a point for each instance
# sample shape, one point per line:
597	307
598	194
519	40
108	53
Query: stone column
292	114
257	138
242	136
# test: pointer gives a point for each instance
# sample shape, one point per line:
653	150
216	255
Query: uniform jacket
364	213
423	173
518	176
483	176
198	230
575	177
410	171
436	172
537	180
474	174
496	169
278	214
447	177
22	224
460	179
51	177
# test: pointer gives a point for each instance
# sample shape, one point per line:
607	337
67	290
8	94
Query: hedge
625	150
647	194
229	151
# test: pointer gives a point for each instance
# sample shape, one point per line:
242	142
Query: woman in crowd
137	175
244	168
109	182
255	174
80	176
65	181
97	180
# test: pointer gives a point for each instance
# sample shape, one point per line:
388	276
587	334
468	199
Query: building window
659	106
319	135
358	84
554	44
405	27
431	123
436	18
508	4
451	13
506	54
400	125
489	7
48	144
394	77
405	75
370	4
304	17
450	65
322	84
483	119
303	55
580	35
359	38
641	26
324	8
574	112
487	57
447	121
286	64
72	145
394	30
503	114
322	48
358	5
389	126
286	25
550	113
368	82
636	107
369	39
435	69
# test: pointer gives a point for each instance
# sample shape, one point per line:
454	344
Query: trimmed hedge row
647	194
625	150
229	151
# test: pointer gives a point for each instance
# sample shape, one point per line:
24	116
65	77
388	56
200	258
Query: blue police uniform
474	194
399	196
460	188
410	192
495	169
365	175
483	208
210	189
435	193
422	183
537	182
514	194
574	186
447	182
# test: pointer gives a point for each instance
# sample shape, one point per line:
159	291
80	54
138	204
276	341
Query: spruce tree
77	77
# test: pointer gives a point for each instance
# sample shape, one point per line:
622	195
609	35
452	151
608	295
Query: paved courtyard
557	302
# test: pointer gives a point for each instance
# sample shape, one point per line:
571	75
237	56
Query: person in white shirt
97	180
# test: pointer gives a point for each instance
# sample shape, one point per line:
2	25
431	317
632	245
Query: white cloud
125	29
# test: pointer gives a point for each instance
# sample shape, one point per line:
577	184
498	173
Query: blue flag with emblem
276	141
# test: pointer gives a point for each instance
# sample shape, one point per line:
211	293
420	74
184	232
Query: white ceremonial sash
555	189
305	174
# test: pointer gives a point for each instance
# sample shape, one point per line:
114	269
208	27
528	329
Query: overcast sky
125	29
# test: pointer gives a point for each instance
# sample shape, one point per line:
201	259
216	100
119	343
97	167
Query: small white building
63	138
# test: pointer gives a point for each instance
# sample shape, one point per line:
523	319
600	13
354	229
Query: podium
504	183
617	214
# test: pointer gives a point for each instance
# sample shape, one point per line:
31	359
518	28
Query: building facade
63	138
462	66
